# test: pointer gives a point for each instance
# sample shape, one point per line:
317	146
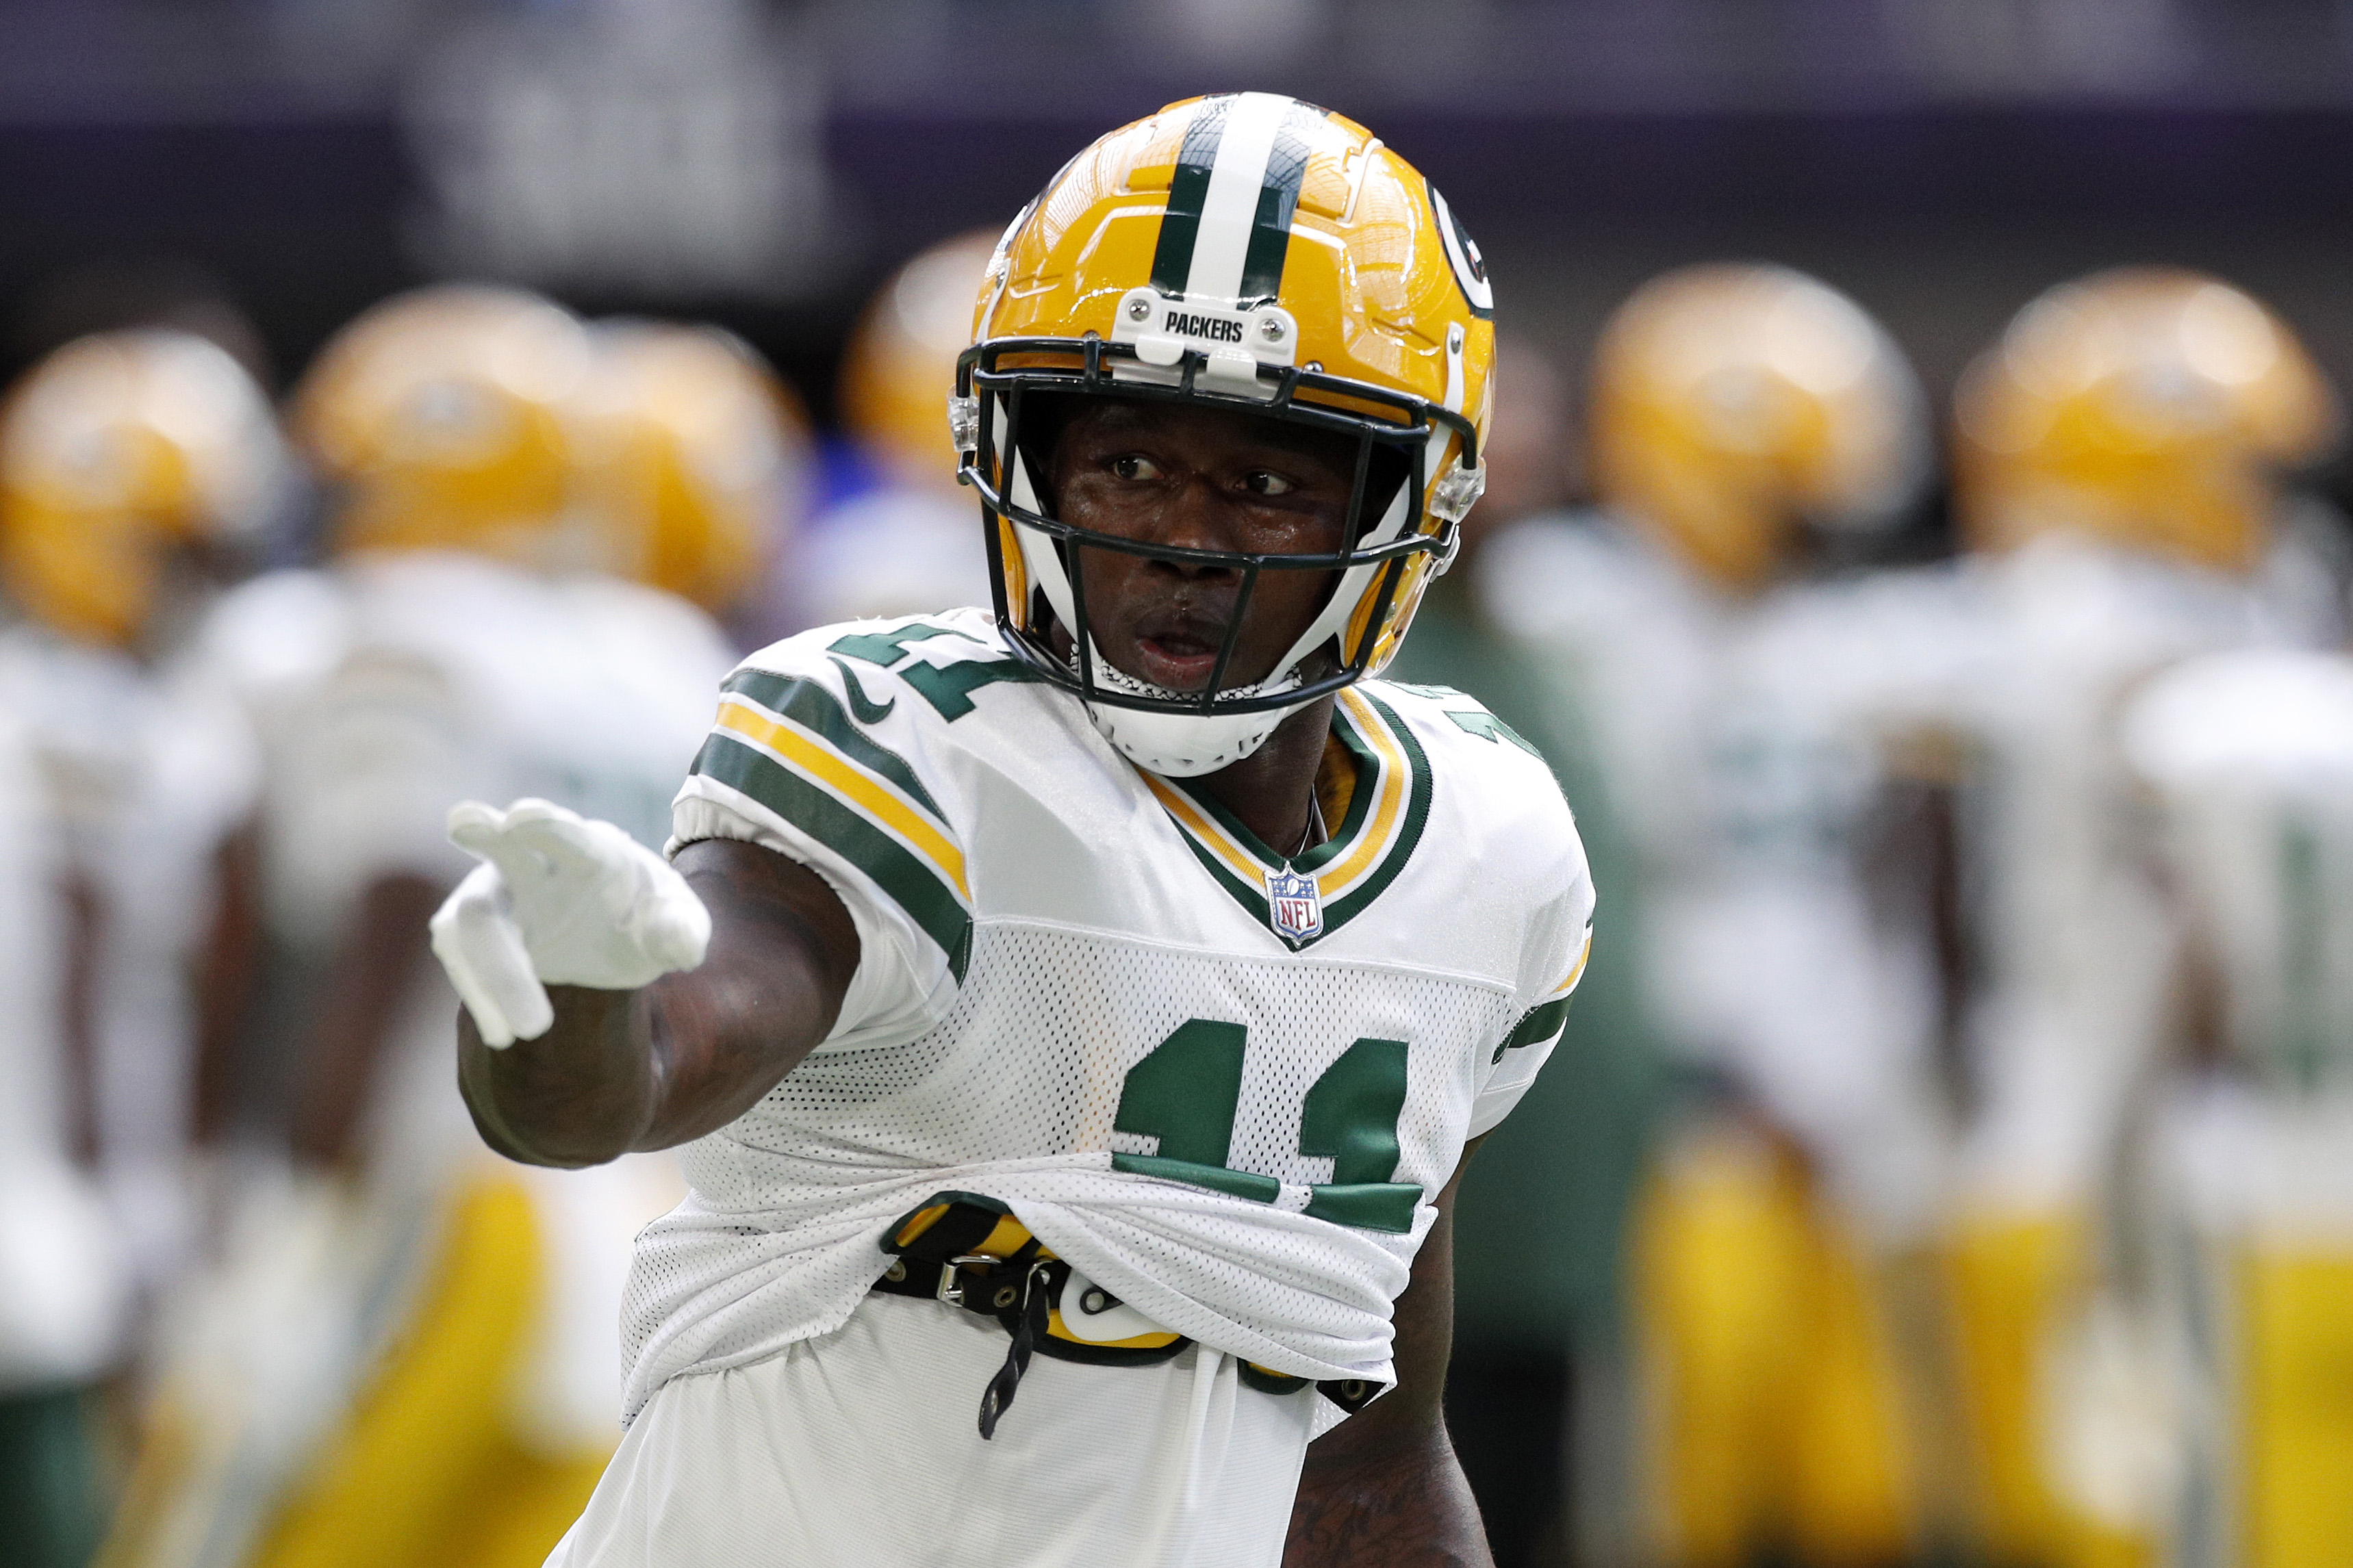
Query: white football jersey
63	1284
144	773
1224	1085
1744	741
2250	756
2081	943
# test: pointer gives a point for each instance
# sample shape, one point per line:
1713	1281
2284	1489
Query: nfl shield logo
1294	905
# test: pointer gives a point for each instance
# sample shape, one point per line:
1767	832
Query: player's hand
561	899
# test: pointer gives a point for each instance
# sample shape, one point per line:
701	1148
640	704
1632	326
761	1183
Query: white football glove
561	899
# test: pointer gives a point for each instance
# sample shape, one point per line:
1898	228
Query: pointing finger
475	827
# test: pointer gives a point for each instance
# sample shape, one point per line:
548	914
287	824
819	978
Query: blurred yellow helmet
901	364
2150	406
444	419
693	457
1735	405
115	450
1253	253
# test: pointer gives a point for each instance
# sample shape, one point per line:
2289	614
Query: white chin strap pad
1181	745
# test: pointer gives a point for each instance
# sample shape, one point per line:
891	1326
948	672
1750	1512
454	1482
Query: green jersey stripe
1408	836
813	708
1250	899
1539	1024
928	900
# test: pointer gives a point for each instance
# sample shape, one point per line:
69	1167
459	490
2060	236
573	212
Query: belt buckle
950	1288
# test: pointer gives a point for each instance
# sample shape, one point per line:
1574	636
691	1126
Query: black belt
1019	1291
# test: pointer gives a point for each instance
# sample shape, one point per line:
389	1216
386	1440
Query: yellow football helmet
693	457
1736	405
901	365
1255	253
444	418
116	450
2150	406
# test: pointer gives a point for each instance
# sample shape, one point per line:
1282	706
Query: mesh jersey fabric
1038	918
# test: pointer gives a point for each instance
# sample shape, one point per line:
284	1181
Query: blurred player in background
1753	436
1536	1244
411	1356
2118	463
908	546
135	469
2249	757
694	465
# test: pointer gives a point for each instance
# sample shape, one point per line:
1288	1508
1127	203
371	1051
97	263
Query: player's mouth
1176	649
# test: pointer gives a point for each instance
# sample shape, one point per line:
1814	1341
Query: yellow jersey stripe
1387	808
849	784
1195	821
1577	970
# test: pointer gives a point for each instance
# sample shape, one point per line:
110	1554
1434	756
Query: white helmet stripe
1229	210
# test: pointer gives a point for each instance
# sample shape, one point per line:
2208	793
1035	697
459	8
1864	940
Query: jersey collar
1385	820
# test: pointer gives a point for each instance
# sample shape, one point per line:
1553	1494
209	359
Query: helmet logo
1462	252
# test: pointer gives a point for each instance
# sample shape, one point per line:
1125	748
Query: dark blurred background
766	164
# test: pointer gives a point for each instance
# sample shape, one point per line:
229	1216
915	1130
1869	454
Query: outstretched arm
688	1053
1383	1489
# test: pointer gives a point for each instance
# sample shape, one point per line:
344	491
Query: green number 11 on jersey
1186	1090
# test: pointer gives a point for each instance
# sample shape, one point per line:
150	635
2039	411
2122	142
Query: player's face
1206	479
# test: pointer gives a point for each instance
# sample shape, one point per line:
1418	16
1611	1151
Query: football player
2121	457
1076	1016
136	469
410	1355
1754	434
907	545
2249	757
